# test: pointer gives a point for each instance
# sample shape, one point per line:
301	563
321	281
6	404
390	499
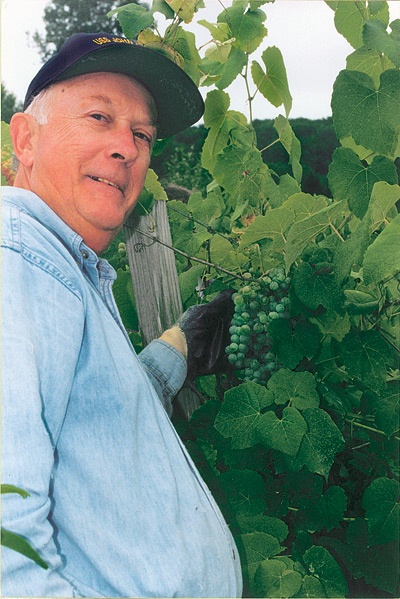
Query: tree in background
65	17
9	104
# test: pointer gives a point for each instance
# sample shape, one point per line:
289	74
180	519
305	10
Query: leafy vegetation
305	465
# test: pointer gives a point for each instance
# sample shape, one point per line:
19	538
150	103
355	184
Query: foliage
9	104
305	465
65	17
16	542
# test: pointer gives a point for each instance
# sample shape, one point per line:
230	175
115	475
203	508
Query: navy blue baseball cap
178	100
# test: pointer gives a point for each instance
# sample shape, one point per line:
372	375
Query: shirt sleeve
166	368
39	353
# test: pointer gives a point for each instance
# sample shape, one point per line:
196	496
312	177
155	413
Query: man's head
84	141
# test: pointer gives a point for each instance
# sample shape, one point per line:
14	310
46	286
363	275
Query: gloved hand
206	329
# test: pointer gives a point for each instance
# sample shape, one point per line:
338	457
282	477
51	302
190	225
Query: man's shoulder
31	228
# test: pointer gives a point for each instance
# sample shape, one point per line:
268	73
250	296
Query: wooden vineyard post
155	282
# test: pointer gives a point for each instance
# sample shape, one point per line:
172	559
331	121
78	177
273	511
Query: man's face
90	159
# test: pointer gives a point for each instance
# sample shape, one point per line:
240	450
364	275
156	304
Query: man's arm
40	340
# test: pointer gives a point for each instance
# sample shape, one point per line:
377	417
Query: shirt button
85	254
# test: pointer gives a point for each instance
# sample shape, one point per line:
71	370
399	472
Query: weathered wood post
155	281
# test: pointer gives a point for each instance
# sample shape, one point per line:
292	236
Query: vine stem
188	256
368	428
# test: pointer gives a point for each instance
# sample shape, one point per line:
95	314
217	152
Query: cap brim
178	100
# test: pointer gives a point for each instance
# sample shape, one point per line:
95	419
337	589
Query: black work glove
206	329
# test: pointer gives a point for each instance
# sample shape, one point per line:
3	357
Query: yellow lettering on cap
101	40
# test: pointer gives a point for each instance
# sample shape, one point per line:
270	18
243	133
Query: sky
313	51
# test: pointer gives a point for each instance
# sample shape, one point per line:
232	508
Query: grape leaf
260	523
228	71
240	412
183	8
311	587
298	389
383	204
304	231
333	324
293	344
283	434
245	490
325	511
352	180
382	258
387	409
254	548
321	564
222	252
350	19
272	82
320	443
382	510
369	62
377	38
305	204
273	225
317	287
275	579
366	355
246	27
356	101
133	18
291	144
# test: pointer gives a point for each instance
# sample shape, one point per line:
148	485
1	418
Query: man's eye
143	136
98	117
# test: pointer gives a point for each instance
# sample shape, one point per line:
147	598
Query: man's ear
23	129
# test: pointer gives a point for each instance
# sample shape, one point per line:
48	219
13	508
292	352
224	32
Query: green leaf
369	62
356	101
311	587
184	9
360	302
19	544
275	579
291	144
133	18
320	443
324	512
283	434
305	231
321	564
245	26
240	413
383	204
254	548
352	180
333	324
350	18
387	409
260	523
366	355
189	280
382	258
272	226
230	69
272	82
222	252
377	38
382	510
317	287
13	489
298	389
349	255
305	204
292	344
245	490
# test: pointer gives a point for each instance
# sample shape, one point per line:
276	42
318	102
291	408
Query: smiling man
115	505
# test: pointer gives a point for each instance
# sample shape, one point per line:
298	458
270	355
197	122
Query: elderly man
115	505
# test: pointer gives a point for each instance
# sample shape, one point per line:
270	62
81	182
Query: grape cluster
256	305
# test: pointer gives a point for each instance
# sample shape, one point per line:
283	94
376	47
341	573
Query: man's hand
206	330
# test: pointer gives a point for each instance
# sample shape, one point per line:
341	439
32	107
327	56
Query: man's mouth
110	183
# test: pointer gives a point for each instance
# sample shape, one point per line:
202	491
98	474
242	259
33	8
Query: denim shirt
116	507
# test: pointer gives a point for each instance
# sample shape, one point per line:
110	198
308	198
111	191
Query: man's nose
123	146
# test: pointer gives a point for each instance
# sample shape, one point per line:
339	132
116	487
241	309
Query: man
115	505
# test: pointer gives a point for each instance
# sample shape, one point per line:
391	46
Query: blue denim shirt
116	506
